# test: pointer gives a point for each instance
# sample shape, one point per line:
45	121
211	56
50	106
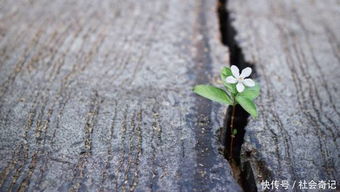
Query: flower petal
230	79
235	71
249	82
245	72
240	87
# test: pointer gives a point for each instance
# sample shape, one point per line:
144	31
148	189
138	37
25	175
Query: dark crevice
242	173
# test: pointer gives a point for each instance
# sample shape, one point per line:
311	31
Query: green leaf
226	72
231	87
247	105
251	92
234	131
213	93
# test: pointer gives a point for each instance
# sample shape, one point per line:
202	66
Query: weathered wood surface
96	96
294	46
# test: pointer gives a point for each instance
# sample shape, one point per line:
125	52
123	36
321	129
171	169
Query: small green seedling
238	90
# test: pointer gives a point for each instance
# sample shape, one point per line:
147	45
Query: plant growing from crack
238	90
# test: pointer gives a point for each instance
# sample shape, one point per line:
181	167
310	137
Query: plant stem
231	132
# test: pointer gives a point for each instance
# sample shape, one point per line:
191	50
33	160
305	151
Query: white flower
240	79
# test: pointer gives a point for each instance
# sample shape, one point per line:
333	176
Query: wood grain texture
96	96
294	47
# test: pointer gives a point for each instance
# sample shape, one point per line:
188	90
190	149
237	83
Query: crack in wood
243	174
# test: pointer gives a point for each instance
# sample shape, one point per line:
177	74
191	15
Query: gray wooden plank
96	96
294	47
